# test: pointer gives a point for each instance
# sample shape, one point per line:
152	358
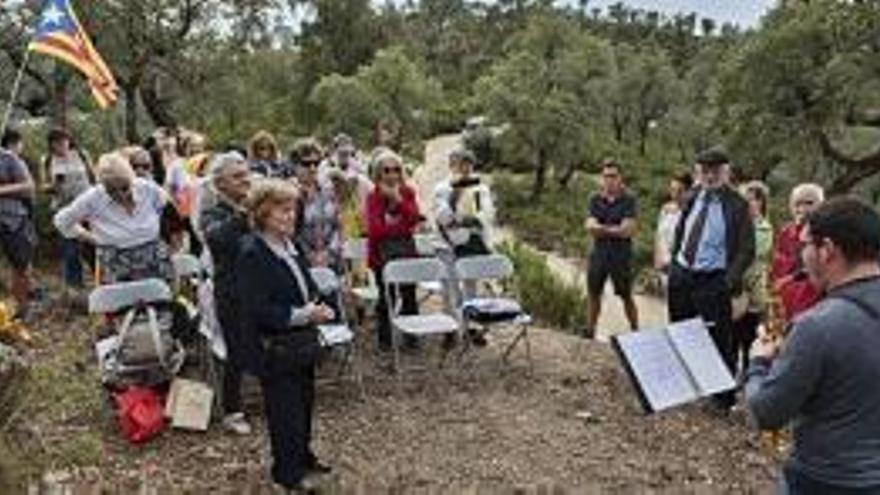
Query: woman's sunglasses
310	163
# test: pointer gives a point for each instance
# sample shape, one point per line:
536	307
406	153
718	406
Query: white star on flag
52	15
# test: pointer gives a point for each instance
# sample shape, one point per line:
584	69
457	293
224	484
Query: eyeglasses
141	165
310	163
392	170
117	189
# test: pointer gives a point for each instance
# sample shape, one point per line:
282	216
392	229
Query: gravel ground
570	425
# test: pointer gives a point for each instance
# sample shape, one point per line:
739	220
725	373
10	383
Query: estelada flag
59	34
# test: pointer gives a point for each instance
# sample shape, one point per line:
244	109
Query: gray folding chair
337	335
413	271
485	312
354	251
125	299
430	246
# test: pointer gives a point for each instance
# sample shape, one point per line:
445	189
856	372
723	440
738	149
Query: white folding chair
193	282
493	310
429	246
413	271
354	252
114	299
337	335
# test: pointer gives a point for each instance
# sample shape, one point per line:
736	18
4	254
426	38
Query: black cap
713	157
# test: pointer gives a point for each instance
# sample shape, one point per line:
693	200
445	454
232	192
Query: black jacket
267	294
740	234
224	227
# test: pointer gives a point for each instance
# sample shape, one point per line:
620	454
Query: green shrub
553	222
546	297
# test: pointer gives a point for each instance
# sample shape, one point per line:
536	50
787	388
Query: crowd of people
818	276
260	221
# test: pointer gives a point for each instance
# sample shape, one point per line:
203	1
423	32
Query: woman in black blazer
280	313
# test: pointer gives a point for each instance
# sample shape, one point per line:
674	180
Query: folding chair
135	303
414	271
495	309
354	252
430	246
337	335
195	291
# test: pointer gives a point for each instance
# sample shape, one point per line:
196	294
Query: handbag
295	350
140	414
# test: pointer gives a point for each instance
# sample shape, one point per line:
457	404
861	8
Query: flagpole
15	87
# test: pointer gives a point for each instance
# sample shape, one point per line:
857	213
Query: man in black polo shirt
611	221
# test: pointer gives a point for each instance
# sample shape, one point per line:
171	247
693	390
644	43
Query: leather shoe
320	468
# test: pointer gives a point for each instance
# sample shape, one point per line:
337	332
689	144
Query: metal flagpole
15	87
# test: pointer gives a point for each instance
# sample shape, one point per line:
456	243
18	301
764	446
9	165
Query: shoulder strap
860	303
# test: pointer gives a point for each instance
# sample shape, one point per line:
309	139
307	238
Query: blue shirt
712	248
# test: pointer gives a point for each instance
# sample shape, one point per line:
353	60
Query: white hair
114	166
808	191
221	162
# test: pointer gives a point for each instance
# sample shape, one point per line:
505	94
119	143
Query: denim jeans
71	264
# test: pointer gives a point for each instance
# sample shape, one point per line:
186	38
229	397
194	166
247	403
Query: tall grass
544	295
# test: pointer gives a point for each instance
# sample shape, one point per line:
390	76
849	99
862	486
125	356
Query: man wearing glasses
824	378
714	245
611	221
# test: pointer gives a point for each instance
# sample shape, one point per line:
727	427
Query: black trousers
289	396
705	294
227	318
745	331
409	306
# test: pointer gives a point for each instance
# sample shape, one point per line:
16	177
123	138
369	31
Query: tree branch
857	169
869	117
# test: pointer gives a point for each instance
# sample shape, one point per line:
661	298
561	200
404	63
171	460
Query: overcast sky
746	13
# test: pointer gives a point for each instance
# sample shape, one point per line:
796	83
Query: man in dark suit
714	245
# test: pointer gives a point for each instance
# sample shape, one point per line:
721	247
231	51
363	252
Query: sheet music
699	353
660	372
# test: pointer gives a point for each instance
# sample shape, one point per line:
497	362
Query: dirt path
652	310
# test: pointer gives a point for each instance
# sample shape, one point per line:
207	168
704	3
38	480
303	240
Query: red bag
140	414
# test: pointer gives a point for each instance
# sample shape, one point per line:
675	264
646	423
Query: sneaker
235	423
320	468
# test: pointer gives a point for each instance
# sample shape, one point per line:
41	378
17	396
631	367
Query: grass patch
543	295
62	404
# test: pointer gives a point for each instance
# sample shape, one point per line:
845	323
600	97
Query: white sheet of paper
696	348
664	380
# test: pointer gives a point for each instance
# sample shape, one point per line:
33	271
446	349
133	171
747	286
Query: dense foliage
795	97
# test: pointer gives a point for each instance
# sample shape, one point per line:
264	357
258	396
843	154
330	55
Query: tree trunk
131	110
58	109
156	107
540	174
618	129
565	178
643	139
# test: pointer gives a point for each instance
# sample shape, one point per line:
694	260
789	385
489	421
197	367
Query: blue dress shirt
712	248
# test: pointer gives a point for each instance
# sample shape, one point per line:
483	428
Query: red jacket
386	220
798	294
